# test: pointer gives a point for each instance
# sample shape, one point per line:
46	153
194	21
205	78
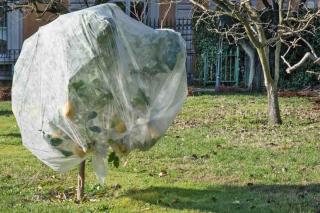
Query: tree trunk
81	180
273	105
272	88
250	51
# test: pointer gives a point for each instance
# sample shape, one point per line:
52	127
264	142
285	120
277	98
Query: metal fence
202	70
184	27
222	66
10	38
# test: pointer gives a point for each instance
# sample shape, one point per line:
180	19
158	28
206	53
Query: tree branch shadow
226	198
15	135
5	113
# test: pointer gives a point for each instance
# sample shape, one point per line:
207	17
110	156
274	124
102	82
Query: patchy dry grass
219	156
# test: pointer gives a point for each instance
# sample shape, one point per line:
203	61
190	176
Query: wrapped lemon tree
96	80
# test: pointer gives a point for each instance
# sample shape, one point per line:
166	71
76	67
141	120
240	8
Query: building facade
16	26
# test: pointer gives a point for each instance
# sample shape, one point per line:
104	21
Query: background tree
40	7
270	26
59	7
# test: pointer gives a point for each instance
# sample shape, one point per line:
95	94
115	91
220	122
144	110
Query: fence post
205	68
231	58
236	66
219	65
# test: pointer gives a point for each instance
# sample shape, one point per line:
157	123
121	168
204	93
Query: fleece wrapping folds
96	79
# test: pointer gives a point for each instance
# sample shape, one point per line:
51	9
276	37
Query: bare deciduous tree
270	26
39	7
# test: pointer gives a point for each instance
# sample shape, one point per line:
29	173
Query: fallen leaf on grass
116	186
163	174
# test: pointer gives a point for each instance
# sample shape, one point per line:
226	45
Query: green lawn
220	156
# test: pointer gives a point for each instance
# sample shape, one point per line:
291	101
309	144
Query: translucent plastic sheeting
95	79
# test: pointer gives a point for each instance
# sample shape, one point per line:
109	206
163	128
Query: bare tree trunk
81	181
274	111
273	105
272	88
250	51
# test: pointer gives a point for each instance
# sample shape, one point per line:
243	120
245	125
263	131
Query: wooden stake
81	179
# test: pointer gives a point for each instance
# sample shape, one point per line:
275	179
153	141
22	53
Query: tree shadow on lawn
15	135
225	198
5	113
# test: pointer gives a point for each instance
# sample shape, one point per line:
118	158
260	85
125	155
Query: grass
220	155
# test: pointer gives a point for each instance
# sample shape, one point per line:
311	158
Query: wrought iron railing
7	61
11	33
183	26
222	66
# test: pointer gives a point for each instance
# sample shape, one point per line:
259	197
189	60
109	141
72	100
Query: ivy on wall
204	42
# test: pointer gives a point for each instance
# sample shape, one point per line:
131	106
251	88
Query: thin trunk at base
81	180
272	89
273	105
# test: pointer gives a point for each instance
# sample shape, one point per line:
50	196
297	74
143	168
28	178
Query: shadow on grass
255	198
6	113
15	135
